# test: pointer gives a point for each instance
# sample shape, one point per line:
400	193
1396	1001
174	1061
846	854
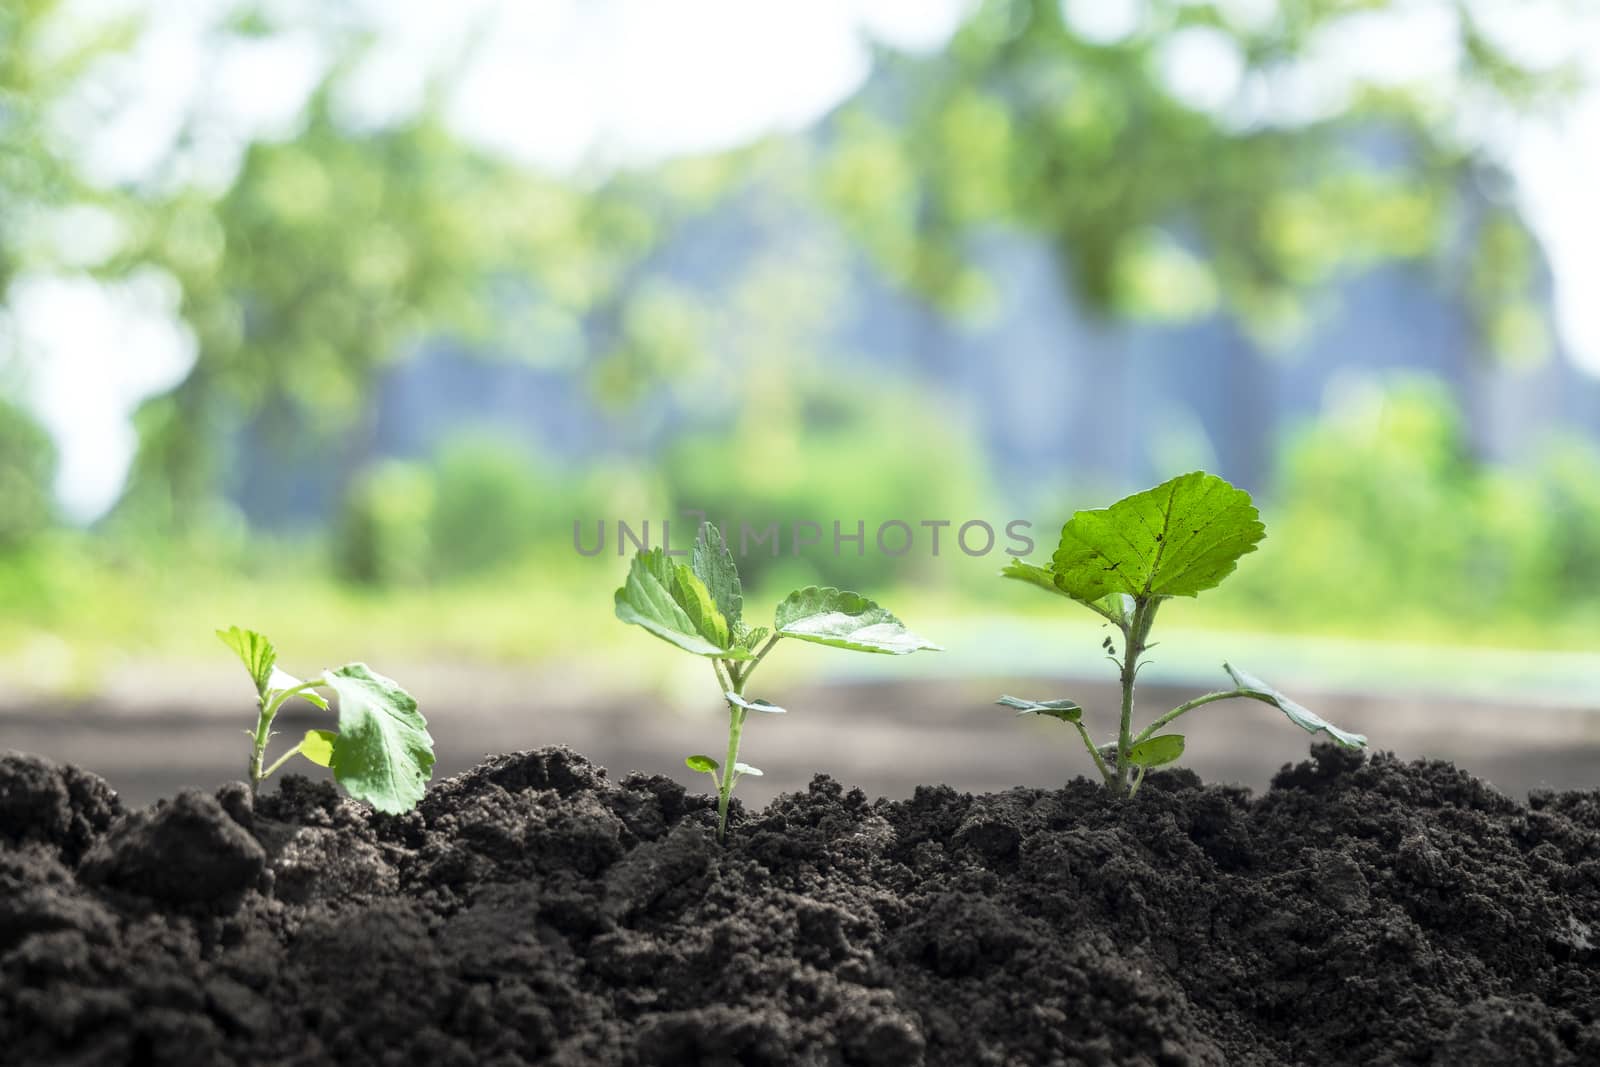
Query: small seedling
381	752
1179	539
699	606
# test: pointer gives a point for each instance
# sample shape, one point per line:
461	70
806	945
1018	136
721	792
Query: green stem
1187	706
736	716
280	761
1138	780
1088	743
258	747
1134	637
269	706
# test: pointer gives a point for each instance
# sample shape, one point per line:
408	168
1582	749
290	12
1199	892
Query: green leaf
1065	710
754	637
1299	714
1155	751
1033	574
281	681
1114	606
745	768
702	763
843	619
382	753
256	653
755	705
1178	539
671	601
317	746
713	564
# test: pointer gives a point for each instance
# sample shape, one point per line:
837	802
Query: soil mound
535	911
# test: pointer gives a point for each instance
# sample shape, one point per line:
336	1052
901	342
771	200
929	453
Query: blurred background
332	319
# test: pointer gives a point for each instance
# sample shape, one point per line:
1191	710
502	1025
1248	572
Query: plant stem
1088	743
736	716
1138	780
280	761
258	748
1138	630
1189	705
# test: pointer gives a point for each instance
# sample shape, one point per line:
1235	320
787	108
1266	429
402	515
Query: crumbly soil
535	911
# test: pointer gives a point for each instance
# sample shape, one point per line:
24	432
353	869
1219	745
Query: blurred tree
1204	154
39	67
27	469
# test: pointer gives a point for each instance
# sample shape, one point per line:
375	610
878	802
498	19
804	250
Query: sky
640	80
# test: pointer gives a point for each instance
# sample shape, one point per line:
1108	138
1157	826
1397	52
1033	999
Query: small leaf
702	763
256	653
1065	710
1178	539
1035	575
670	601
317	746
1114	606
1155	751
745	768
1299	714
281	681
843	619
382	753
755	705
713	564
754	637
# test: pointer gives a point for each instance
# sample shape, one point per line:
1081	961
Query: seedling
381	752
1179	539
698	607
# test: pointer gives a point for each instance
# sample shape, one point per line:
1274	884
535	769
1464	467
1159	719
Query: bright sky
578	84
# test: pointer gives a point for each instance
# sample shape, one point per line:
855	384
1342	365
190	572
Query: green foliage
27	470
847	620
381	753
381	536
1179	539
698	607
489	503
1166	206
823	452
1503	548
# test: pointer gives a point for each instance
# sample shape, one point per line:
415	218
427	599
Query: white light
1202	67
1104	21
91	352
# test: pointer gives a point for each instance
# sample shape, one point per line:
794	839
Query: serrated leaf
755	705
1178	539
1156	751
671	601
713	564
382	753
1065	710
702	763
745	768
317	746
254	650
1035	575
1114	606
1298	714
843	619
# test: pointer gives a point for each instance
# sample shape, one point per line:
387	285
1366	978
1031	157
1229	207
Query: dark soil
534	911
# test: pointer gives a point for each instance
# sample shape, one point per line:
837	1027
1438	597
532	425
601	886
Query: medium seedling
1179	539
698	607
381	752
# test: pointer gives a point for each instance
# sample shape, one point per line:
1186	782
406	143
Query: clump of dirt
535	911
